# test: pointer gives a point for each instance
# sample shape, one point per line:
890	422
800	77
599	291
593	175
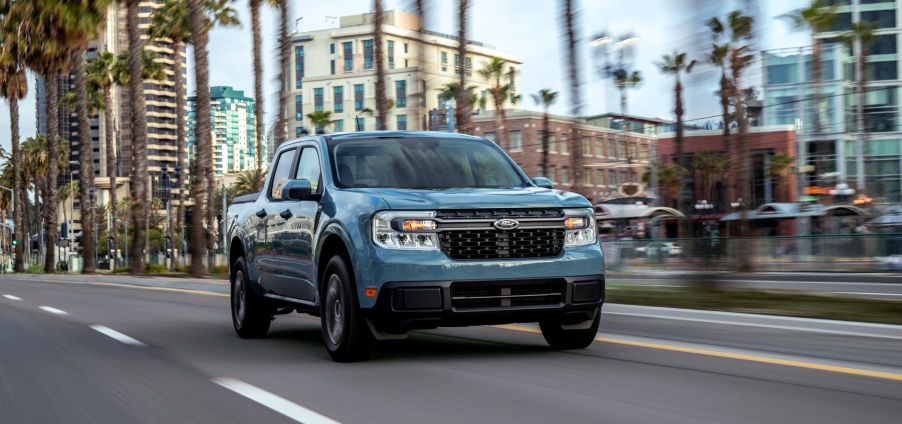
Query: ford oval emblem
506	224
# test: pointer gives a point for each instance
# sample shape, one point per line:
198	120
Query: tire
559	338
251	315
345	333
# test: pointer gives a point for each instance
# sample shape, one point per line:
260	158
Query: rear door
298	271
271	237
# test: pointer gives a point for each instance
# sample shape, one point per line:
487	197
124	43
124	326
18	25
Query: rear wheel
560	338
345	332
251	315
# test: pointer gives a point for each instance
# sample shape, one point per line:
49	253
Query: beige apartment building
334	70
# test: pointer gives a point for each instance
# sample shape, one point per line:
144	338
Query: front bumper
403	306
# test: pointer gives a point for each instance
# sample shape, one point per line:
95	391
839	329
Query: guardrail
838	252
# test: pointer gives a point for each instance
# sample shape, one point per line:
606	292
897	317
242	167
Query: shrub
155	269
221	269
34	269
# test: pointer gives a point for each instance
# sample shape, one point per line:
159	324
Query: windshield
422	163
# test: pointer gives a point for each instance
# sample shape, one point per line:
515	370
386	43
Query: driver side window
308	168
281	174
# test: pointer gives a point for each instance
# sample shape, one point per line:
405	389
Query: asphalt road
102	352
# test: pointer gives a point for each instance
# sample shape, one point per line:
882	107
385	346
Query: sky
529	30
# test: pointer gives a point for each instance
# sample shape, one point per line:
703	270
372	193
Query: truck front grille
480	295
497	244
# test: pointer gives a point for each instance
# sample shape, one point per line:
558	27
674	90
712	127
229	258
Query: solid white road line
274	402
11	297
117	335
869	294
53	310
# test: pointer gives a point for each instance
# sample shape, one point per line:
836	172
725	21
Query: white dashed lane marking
53	310
11	297
274	402
117	335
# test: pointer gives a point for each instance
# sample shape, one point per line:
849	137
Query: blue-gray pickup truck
379	233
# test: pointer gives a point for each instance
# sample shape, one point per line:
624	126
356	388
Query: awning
796	210
606	212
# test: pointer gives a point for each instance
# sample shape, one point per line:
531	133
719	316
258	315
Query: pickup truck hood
478	198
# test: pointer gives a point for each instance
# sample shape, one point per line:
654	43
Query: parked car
379	233
666	248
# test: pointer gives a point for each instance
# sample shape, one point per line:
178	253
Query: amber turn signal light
576	222
418	225
369	292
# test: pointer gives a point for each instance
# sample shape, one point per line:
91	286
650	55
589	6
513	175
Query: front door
298	270
271	233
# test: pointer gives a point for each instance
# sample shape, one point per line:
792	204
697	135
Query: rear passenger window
282	173
308	168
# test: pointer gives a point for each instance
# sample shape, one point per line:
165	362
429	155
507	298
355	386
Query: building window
348	54
359	124
565	175
599	177
588	175
391	53
456	63
490	136
400	93
444	56
565	145
332	48
332	66
516	141
405	47
880	19
469	67
401	121
552	143
298	66
298	107
599	148
358	97
612	149
367	54
552	174
338	99
339	125
318	99
405	64
878	71
298	131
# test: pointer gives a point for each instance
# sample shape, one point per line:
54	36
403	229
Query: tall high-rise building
162	143
234	130
334	70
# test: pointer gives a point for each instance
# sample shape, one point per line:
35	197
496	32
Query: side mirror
298	190
542	182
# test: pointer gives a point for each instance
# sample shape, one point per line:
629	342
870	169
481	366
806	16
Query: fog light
369	292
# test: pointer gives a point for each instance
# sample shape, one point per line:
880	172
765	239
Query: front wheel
345	332
251	315
566	339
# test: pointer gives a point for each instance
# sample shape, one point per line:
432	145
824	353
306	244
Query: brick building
763	143
610	157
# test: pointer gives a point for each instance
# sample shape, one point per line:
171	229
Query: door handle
285	214
261	213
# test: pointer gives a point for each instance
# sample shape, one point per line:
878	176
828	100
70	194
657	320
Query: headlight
405	230
580	224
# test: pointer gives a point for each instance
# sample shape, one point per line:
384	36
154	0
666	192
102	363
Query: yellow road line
731	355
134	286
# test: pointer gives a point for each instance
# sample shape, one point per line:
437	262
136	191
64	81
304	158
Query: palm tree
860	38
245	183
712	166
494	72
259	116
719	57
670	180
818	18
13	87
320	119
545	97
575	97
462	109
204	143
625	80
675	64
381	99
284	63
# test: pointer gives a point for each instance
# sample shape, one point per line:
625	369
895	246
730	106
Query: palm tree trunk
678	140
725	117
623	109
862	130
86	164
381	99
817	77
212	230
284	63
259	118
110	135
421	65
500	118
19	193
137	109
745	165
576	155
203	156
546	127
181	153
51	203
462	109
